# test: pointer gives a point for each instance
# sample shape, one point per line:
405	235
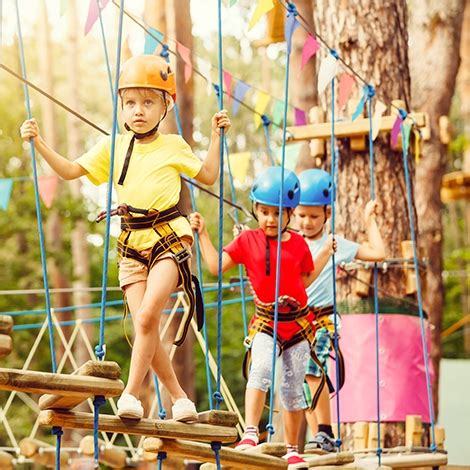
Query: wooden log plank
413	430
6	345
103	369
145	427
218	418
332	458
347	129
6	324
6	461
407	460
62	384
41	452
111	456
278	449
203	453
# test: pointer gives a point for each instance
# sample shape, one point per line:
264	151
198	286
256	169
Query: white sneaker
184	410
129	407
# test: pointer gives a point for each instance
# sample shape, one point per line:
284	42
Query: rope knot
162	413
161	456
334	53
218	397
99	401
433	447
57	431
100	351
216	446
270	429
217	89
403	114
338	443
265	119
370	91
292	9
164	52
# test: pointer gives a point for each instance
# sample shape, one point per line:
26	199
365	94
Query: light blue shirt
320	292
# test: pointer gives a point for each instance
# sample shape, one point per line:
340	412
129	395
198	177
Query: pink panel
403	388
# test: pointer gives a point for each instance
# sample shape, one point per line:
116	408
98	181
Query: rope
217	395
216	446
57	432
266	122
161	456
100	348
409	202
338	441
270	427
161	409
36	198
370	95
98	402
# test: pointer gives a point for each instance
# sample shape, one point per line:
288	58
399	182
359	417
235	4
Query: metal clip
247	342
182	255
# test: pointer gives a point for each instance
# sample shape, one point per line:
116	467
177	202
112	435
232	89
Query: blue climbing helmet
267	188
315	188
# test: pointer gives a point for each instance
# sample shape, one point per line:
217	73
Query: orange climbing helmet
148	71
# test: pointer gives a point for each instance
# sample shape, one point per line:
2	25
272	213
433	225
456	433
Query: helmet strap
268	249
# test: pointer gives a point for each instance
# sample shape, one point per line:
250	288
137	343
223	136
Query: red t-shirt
249	249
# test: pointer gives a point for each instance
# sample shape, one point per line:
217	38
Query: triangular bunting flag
6	185
205	69
47	187
380	108
152	39
62	7
360	106
185	54
241	89
396	130
300	118
291	156
417	144
239	165
328	70
278	112
311	47
232	2
346	83
406	129
228	78
93	14
262	100
263	7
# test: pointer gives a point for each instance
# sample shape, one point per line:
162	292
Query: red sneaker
248	442
294	460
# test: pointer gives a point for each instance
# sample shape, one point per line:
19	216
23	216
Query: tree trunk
435	30
372	37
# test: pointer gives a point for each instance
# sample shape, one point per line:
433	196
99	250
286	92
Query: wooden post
440	435
372	441
317	146
111	456
6	345
363	281
413	430
6	461
6	324
358	144
361	435
42	453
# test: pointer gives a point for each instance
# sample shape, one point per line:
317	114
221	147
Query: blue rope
98	402
161	409
266	122
409	200
57	432
333	256
161	456
270	426
370	95
100	348
216	446
217	395
105	49
36	199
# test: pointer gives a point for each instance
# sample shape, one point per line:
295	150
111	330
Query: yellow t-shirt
152	180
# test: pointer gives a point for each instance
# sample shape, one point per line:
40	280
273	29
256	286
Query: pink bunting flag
311	47
228	78
396	130
300	118
94	13
346	83
185	54
47	186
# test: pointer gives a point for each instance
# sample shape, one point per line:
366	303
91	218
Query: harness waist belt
129	223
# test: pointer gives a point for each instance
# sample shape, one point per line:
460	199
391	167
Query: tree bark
435	30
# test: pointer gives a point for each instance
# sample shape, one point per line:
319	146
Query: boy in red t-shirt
257	251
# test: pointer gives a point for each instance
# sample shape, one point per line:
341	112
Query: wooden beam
145	427
6	324
6	345
103	369
62	384
361	433
203	453
407	460
218	418
278	449
332	458
111	456
348	129
6	461
413	430
42	453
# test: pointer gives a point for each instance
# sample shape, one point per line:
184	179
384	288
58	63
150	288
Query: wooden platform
332	458
405	460
61	384
102	369
145	427
203	453
218	418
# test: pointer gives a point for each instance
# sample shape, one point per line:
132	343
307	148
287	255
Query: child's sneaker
129	407
321	441
294	460
250	441
184	411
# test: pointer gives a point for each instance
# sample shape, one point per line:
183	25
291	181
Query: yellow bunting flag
263	7
262	100
240	164
417	144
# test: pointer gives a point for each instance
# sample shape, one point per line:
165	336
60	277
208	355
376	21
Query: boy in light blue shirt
311	217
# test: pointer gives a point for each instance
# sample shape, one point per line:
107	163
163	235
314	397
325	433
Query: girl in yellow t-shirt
153	246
